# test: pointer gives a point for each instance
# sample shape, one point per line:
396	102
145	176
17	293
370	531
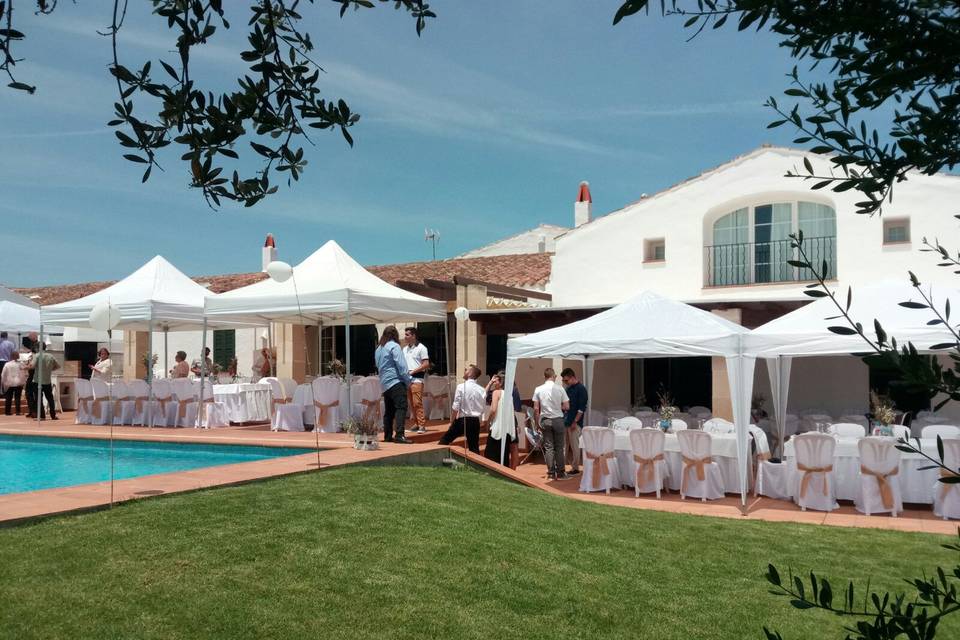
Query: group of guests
558	412
17	373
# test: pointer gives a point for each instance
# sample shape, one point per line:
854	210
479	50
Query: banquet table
723	448
917	485
245	402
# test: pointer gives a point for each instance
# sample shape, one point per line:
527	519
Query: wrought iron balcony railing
761	262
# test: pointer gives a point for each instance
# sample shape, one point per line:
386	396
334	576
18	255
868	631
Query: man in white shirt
469	402
550	401
418	362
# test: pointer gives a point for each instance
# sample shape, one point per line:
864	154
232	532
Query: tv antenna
433	237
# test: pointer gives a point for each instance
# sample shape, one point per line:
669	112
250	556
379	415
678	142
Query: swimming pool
28	463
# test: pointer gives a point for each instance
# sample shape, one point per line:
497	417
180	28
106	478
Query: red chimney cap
584	193
269	242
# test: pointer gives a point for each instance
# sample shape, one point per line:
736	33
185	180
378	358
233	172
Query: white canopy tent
644	326
329	288
157	295
805	331
18	314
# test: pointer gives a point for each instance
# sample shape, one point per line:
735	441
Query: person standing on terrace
394	380
418	363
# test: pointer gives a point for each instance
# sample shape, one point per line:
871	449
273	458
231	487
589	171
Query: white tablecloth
917	486
245	402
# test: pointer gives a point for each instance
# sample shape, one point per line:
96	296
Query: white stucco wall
602	262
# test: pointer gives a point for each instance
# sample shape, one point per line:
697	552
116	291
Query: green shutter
224	346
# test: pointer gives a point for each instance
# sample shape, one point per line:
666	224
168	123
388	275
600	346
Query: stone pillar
135	344
722	406
289	340
471	345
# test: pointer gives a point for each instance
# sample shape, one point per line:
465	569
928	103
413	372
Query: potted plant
337	369
364	433
149	362
667	409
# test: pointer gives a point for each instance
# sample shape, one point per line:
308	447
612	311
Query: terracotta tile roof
517	270
522	270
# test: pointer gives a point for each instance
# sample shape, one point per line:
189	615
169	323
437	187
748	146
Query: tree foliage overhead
277	100
896	56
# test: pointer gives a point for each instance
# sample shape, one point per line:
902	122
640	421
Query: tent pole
148	362
148	411
40	351
166	353
270	348
203	374
110	406
346	331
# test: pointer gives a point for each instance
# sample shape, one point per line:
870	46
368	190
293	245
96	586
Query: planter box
365	442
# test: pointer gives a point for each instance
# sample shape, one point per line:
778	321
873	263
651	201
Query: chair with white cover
162	411
101	406
600	470
814	486
134	407
595	417
436	398
678	425
879	477
946	497
326	404
120	392
649	468
367	403
214	414
900	431
286	416
627	424
700	411
185	393
718	426
847	430
945	431
84	400
700	476
616	414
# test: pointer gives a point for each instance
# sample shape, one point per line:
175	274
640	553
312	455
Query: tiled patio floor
337	450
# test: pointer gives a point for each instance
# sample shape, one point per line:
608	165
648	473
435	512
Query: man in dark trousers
469	401
573	416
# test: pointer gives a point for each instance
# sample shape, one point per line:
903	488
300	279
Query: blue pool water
28	463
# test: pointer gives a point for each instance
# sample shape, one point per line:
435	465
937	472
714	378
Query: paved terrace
336	449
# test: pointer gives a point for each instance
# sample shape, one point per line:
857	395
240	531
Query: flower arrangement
667	407
149	360
337	369
882	409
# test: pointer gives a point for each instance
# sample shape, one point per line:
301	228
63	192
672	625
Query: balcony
728	265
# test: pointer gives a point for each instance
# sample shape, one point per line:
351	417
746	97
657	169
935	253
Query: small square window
896	231
655	250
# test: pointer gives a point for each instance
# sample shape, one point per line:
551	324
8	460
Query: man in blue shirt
394	380
573	418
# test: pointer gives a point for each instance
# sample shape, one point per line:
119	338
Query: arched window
752	245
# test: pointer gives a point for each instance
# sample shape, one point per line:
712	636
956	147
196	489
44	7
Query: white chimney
541	243
583	207
269	253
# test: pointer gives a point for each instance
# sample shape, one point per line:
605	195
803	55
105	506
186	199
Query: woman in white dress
103	369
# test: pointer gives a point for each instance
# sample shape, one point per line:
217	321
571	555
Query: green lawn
406	552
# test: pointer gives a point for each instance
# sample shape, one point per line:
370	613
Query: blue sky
481	128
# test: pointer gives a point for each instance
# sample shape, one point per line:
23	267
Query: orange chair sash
886	493
698	465
808	475
646	468
600	466
323	410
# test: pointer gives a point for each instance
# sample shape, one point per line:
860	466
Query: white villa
718	241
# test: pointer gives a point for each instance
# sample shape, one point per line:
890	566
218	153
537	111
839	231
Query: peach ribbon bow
808	476
646	468
886	492
182	407
323	410
138	403
118	403
600	466
372	408
698	465
98	407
